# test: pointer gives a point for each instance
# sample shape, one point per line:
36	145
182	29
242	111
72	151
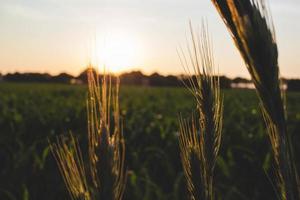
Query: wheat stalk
200	140
106	147
252	30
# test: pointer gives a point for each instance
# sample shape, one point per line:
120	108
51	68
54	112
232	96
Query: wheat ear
106	147
252	30
200	140
106	143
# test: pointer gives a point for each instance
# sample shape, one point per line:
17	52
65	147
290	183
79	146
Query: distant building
76	81
243	85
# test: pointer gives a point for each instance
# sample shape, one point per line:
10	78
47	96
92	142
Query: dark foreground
30	114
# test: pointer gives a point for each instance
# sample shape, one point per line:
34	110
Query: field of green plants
32	114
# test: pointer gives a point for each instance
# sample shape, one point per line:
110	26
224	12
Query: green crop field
32	114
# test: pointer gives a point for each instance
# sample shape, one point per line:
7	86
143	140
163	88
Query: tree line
135	78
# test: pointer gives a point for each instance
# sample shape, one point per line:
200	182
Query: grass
252	30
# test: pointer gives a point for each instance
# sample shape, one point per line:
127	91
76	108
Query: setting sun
118	52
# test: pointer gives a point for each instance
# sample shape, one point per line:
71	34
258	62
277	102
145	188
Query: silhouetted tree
62	78
225	83
156	80
173	81
27	77
238	80
293	85
134	78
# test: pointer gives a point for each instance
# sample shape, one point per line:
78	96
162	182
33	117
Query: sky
56	36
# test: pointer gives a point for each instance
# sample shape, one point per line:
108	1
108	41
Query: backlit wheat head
252	30
200	139
106	147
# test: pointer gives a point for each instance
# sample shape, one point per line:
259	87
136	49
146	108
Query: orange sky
59	35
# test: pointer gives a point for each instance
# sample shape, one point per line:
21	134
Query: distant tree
293	85
238	80
173	81
62	78
156	79
241	83
27	77
225	82
134	78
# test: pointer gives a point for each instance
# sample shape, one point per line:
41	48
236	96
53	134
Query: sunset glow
117	52
57	36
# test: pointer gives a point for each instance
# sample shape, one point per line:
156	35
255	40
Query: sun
117	52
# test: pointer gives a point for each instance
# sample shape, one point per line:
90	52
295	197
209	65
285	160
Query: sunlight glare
118	52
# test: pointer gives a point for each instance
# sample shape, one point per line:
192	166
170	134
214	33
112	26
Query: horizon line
130	71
